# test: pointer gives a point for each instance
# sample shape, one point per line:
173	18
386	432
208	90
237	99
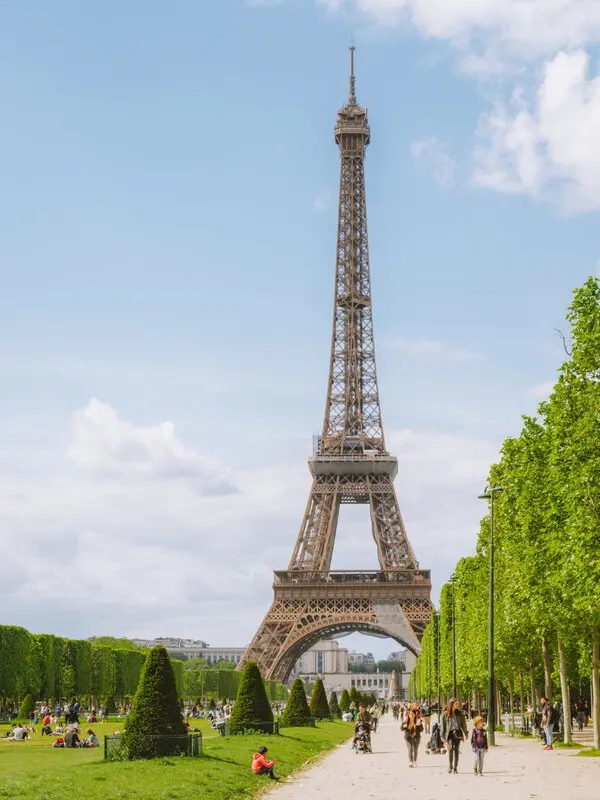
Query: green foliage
546	544
155	719
354	695
296	713
319	707
344	701
27	706
251	710
334	706
388	665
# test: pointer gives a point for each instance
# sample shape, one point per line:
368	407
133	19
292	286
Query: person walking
412	727
427	717
479	745
454	731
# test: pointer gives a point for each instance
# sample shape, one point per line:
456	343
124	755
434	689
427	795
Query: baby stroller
362	738
435	746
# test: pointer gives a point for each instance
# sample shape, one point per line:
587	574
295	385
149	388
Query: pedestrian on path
412	727
548	720
479	745
454	731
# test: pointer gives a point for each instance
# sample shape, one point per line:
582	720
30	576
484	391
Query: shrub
27	706
155	717
252	710
296	713
334	706
319	707
344	701
354	695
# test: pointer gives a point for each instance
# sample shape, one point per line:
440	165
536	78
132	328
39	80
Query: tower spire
352	97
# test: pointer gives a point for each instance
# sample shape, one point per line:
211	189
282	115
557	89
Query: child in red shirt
260	765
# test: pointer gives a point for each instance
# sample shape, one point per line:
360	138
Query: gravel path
515	769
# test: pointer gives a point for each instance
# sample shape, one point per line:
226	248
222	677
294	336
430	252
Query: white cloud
540	140
103	442
547	148
541	391
522	29
428	350
433	155
118	526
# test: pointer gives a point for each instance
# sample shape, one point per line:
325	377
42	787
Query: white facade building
322	658
191	648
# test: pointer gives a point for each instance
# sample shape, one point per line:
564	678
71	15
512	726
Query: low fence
223	728
119	748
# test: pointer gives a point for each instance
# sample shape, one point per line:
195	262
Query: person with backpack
549	718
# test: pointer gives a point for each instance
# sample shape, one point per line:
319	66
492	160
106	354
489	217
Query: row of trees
52	668
217	682
546	552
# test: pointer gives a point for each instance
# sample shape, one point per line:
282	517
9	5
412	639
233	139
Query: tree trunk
510	698
522	691
532	682
566	693
547	668
596	685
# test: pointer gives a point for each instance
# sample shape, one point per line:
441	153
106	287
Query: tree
155	720
354	695
319	707
296	713
344	701
251	710
334	706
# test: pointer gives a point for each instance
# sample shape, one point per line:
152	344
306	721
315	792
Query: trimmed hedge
27	706
252	710
344	701
297	713
334	707
155	722
319	707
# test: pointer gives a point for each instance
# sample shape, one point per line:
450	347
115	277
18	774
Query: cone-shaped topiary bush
296	713
344	701
155	720
334	706
354	695
252	710
319	707
27	706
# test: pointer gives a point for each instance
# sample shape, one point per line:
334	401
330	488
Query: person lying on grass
260	765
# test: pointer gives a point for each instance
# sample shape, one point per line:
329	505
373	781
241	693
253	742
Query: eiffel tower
350	464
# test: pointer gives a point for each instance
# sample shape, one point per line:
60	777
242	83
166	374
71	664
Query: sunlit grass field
37	771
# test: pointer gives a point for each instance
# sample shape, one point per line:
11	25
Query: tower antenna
352	98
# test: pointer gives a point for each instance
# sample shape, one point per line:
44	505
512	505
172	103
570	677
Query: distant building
192	648
323	658
361	658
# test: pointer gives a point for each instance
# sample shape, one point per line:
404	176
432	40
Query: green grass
574	745
36	770
590	752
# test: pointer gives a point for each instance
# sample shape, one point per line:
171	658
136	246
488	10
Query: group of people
446	737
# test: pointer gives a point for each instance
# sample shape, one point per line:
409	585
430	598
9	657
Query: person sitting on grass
260	765
91	739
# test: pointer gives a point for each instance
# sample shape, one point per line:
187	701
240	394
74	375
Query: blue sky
167	244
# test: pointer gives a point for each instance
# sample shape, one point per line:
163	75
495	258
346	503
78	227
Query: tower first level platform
309	606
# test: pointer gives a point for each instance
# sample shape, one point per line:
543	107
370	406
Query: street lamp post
489	494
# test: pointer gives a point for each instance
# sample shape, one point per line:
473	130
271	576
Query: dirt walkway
516	769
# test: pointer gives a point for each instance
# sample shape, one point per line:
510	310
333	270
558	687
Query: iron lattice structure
350	465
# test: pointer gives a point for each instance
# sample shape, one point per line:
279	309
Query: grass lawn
35	770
